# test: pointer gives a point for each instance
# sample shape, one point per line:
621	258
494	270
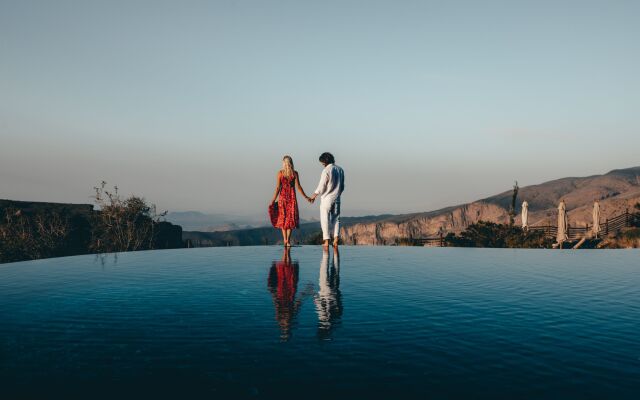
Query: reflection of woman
286	183
283	284
328	300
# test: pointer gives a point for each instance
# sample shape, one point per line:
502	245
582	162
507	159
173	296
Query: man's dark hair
327	158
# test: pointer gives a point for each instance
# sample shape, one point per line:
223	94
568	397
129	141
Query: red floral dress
287	278
288	216
283	284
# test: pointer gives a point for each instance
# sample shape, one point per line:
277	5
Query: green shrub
490	234
122	224
631	234
31	236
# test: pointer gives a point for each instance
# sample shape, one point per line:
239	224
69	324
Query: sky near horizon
425	104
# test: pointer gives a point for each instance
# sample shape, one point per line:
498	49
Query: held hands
311	199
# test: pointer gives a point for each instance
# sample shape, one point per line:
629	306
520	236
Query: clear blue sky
425	104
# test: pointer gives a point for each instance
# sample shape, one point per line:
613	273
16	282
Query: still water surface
367	322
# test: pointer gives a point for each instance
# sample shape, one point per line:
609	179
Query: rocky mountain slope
616	190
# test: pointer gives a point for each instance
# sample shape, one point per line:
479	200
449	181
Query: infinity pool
368	322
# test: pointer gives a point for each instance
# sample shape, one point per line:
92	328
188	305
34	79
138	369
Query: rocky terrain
616	190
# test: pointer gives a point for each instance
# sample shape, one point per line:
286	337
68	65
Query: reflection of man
328	299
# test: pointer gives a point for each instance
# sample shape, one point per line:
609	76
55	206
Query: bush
29	237
635	221
628	238
490	234
122	224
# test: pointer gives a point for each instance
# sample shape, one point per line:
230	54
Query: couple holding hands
284	213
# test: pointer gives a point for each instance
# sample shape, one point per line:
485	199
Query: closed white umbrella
596	219
562	223
525	215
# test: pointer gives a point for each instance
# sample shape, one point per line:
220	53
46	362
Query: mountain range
198	221
202	222
616	190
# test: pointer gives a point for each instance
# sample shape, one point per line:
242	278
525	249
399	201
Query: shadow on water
328	300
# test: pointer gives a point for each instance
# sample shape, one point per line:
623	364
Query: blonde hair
287	163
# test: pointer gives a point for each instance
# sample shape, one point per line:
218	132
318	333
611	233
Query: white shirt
331	184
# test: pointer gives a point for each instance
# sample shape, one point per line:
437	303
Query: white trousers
330	220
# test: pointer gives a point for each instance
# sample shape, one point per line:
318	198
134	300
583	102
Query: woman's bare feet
335	242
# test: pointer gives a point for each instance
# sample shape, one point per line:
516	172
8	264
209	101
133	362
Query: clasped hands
311	199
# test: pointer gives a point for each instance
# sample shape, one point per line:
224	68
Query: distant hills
198	221
616	190
202	222
309	232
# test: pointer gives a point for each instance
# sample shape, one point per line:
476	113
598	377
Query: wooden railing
608	227
430	241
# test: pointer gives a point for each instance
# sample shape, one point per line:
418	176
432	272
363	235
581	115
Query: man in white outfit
329	189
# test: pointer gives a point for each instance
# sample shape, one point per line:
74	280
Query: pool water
369	322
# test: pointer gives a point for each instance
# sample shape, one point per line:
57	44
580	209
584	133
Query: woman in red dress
286	184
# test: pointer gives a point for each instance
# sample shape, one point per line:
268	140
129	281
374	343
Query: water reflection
103	257
328	300
287	300
283	284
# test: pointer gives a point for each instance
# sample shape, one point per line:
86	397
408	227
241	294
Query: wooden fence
609	226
